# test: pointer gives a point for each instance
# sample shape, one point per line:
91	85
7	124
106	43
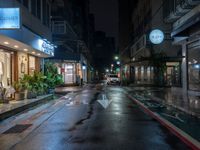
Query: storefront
71	72
143	74
193	65
186	33
69	65
21	55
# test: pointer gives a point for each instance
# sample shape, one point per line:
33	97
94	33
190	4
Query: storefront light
25	49
83	67
38	54
6	42
33	52
197	66
16	46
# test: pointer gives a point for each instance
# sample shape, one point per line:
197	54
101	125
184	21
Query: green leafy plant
18	86
53	79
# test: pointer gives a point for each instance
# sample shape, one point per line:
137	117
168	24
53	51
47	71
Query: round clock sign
156	36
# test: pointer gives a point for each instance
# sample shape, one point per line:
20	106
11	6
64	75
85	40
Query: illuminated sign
45	46
48	48
156	36
9	18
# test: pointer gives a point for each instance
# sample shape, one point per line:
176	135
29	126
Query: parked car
113	79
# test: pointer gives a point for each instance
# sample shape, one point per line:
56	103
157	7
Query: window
31	65
33	7
44	12
48	15
39	9
26	3
194	69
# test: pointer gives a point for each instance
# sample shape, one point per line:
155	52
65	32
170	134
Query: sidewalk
14	107
186	103
176	111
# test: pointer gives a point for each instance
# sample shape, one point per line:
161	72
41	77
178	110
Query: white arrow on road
105	102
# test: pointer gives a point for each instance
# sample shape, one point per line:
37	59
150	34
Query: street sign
105	102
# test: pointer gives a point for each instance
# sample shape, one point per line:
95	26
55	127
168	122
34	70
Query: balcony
175	9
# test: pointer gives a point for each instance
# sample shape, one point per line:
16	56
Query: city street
78	121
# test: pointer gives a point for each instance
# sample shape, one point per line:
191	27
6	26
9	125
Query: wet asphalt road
83	124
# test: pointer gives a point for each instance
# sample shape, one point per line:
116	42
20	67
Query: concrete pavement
187	103
80	122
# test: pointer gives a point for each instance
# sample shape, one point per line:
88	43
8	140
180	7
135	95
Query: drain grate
17	128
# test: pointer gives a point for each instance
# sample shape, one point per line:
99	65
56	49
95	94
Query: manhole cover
17	128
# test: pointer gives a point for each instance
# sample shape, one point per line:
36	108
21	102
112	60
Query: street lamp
118	62
116	57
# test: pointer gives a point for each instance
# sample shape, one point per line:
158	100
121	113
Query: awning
182	30
66	54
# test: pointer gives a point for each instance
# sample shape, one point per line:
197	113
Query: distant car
112	79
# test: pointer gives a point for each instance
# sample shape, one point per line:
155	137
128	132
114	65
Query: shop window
194	69
5	69
22	64
31	65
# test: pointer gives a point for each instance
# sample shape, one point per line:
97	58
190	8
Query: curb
187	139
17	110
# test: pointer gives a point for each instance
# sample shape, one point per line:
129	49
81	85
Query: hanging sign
156	36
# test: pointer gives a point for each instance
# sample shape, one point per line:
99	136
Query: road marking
105	102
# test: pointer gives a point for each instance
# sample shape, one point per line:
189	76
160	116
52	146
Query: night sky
106	16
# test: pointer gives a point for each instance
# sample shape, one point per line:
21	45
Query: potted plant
38	83
52	79
5	93
19	91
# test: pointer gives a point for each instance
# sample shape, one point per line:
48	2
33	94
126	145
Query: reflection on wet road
83	124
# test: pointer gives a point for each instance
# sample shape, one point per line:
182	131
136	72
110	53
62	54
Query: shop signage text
48	48
156	36
9	18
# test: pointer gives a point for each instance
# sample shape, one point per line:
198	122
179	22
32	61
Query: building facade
147	62
184	15
25	38
70	33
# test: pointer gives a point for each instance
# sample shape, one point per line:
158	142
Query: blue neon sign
9	18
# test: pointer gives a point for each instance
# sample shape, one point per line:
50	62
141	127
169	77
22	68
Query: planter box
19	96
